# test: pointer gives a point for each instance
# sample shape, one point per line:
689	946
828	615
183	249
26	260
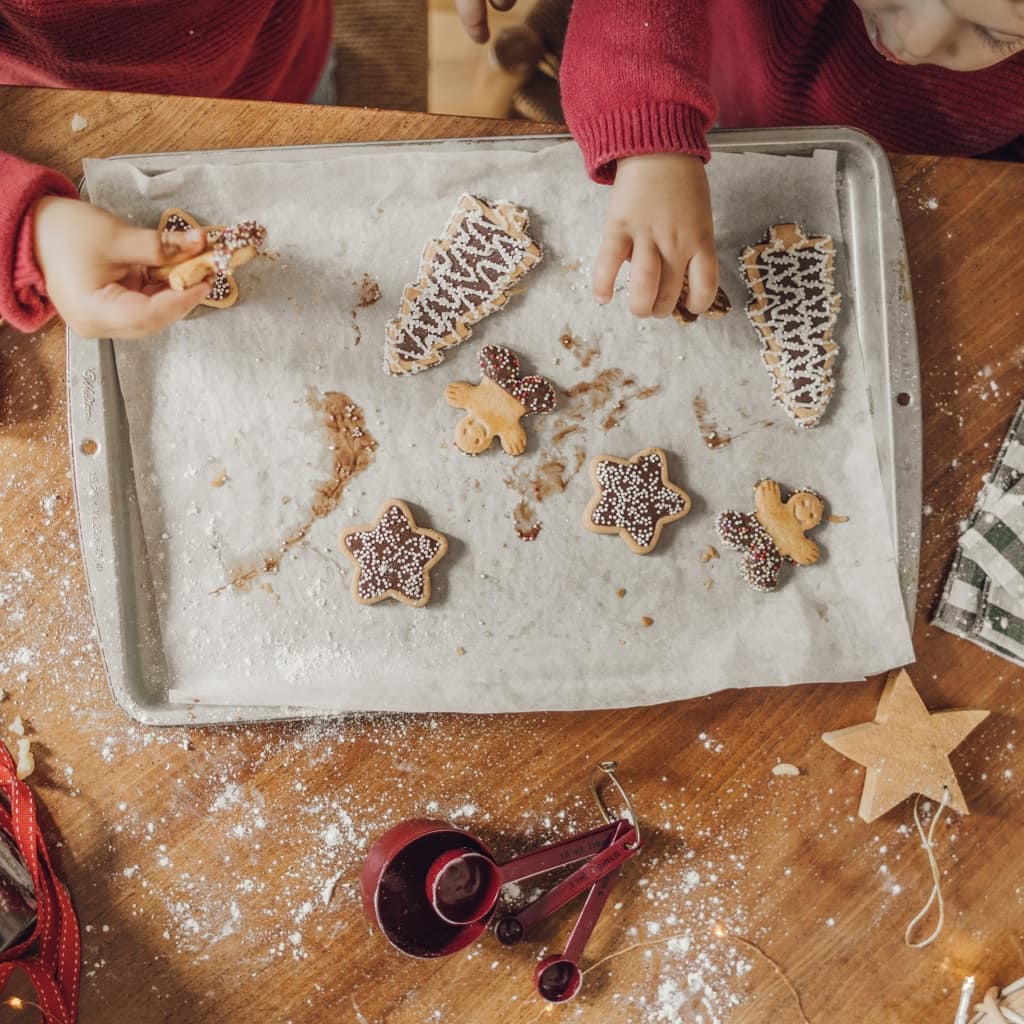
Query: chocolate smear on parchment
584	353
369	293
610	392
351	446
712	436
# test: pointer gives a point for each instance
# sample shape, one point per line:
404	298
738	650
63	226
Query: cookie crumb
838	519
786	769
708	553
220	479
709	583
621	592
369	292
460	651
647	621
26	762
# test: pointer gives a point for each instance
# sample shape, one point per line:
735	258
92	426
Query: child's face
961	35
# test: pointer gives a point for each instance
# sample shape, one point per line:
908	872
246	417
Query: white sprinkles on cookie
794	307
464	276
393	557
634	498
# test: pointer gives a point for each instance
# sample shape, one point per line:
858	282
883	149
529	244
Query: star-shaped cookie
905	750
393	556
634	498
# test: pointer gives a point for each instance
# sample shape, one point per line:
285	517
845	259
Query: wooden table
215	870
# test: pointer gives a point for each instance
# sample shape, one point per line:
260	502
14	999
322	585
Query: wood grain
199	860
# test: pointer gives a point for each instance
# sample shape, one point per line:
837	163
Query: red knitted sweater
646	76
259	49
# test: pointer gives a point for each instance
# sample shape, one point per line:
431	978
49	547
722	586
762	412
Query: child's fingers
154	248
121	313
644	277
673	273
473	15
615	250
702	279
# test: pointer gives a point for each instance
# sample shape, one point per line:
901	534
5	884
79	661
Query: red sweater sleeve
635	79
23	300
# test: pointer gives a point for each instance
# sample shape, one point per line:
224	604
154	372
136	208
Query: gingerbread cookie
634	498
228	248
463	276
715	311
775	533
393	556
495	406
794	306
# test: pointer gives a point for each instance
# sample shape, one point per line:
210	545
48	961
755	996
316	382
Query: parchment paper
511	626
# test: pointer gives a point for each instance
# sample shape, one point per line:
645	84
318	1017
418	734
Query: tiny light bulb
16	1002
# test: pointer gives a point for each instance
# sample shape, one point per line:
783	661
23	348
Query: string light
17	1003
775	966
964	1006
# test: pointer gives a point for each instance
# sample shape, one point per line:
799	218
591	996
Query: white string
935	896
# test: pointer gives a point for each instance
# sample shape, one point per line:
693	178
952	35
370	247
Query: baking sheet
541	624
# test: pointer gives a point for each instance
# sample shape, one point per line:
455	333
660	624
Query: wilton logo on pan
89	392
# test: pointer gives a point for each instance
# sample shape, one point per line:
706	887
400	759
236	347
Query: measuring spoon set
433	889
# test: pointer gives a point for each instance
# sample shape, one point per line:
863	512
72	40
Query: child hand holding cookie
58	254
641	81
95	269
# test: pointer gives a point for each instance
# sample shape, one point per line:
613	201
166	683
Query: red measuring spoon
558	977
624	844
463	883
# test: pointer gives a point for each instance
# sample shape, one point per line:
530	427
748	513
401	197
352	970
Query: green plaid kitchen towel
983	599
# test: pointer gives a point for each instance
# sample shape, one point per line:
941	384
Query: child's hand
473	15
659	219
94	265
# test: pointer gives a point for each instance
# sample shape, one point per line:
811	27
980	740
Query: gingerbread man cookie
495	406
775	533
228	248
393	556
634	498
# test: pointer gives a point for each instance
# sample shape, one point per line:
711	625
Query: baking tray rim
903	482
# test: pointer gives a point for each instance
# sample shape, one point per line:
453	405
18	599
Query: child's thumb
157	248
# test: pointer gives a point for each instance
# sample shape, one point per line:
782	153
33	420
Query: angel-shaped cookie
773	534
227	249
495	406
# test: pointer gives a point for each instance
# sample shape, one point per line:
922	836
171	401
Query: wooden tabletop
215	871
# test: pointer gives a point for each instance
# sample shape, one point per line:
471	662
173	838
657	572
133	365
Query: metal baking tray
110	527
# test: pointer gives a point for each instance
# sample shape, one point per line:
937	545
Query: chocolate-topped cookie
634	498
794	306
463	276
393	556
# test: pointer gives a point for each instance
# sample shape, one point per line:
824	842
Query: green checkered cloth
983	599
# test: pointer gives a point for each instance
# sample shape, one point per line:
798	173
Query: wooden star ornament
905	750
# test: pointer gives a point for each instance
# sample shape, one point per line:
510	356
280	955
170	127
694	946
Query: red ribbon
54	964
